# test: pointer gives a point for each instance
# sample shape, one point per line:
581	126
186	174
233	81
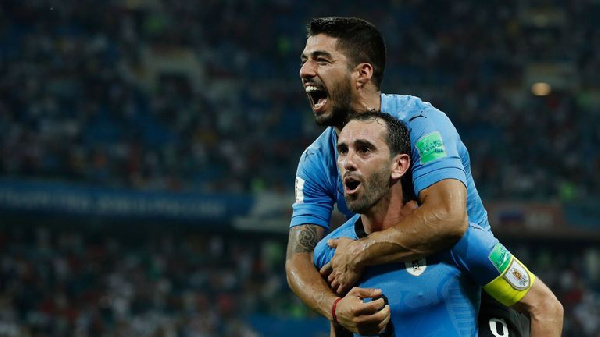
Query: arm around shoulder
438	223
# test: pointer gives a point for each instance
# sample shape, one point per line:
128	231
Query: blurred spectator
88	283
169	95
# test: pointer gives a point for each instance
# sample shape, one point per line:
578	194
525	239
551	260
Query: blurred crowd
99	283
85	283
175	95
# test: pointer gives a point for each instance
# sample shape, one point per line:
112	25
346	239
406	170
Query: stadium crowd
170	95
167	95
90	283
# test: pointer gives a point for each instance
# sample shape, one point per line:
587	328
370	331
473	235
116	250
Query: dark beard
376	187
339	115
342	99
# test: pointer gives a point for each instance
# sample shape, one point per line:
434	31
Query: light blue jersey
437	154
440	295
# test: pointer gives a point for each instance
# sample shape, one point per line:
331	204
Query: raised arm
439	222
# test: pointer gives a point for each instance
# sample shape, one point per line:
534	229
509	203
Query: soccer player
342	69
437	295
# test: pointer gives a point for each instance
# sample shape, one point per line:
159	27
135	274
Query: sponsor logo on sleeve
299	190
500	257
431	147
517	276
416	267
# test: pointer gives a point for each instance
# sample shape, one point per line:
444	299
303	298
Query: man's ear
400	165
365	73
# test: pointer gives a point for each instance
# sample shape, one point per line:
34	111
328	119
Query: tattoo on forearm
307	239
302	239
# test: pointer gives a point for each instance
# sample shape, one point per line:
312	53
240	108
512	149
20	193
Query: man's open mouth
351	185
317	95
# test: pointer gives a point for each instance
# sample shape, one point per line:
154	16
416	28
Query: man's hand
342	272
365	318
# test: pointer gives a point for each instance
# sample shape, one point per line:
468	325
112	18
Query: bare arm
302	276
544	310
306	282
438	223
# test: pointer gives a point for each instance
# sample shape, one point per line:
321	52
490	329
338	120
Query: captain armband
514	280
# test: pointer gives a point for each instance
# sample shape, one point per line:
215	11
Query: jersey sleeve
492	266
436	148
314	203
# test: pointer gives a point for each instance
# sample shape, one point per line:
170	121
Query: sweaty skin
440	222
300	270
435	225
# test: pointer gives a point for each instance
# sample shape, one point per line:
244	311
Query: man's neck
369	100
387	212
366	101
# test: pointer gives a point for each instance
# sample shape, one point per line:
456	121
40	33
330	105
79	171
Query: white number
494	327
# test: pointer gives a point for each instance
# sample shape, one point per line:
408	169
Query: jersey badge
299	190
431	147
500	257
416	267
517	276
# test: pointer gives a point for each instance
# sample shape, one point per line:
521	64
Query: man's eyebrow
316	54
364	142
357	143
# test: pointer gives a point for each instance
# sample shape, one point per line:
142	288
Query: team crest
517	276
416	267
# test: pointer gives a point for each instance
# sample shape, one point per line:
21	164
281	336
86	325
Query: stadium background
148	152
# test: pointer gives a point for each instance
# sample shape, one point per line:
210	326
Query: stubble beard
342	106
375	188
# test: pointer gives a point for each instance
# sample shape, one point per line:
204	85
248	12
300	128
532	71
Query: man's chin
323	119
335	118
353	204
357	208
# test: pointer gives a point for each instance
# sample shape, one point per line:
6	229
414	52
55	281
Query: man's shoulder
324	253
410	108
322	146
346	230
320	155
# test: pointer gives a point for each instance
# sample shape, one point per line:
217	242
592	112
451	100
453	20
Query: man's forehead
320	42
371	130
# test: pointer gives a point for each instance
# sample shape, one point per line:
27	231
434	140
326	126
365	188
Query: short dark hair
397	139
359	39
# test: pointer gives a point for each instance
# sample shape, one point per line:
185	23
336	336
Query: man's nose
307	69
348	162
